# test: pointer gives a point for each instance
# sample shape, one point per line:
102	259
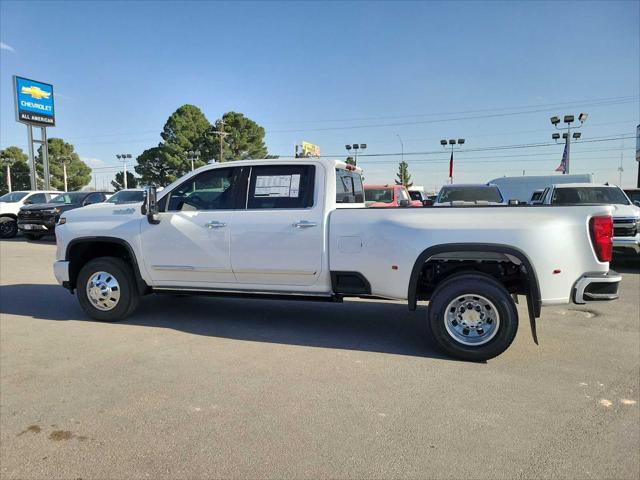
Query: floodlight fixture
452	141
565	135
460	141
555	120
443	143
555	136
348	147
355	146
577	135
583	117
363	146
568	119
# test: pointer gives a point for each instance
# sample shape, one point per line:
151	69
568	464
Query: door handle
305	224
214	224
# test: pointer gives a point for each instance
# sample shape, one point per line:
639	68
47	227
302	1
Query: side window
402	194
281	186
211	190
348	187
94	198
36	198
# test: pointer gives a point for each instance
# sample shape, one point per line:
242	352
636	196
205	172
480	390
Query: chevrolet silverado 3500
299	229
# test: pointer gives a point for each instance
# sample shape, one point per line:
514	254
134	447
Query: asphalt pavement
196	387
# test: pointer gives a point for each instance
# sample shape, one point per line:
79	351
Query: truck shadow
374	326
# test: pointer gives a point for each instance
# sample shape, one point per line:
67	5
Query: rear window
348	187
381	195
589	195
281	186
470	194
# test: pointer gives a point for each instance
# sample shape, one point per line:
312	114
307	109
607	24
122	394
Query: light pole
355	147
124	157
568	120
401	147
64	170
452	142
8	161
193	155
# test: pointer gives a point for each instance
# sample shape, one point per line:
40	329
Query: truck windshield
69	198
382	195
587	195
127	196
13	196
470	194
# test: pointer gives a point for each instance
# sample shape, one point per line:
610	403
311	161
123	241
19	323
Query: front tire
472	317
106	289
8	227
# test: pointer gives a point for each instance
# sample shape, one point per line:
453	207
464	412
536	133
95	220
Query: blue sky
335	73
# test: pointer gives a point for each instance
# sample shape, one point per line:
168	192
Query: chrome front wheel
103	291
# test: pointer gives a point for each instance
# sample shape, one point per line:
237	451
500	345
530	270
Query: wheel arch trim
140	282
533	294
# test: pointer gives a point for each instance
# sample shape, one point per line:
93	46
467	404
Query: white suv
10	204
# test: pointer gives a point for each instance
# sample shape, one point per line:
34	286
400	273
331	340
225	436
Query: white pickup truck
299	229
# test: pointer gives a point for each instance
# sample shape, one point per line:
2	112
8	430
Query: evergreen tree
404	178
17	161
245	139
78	172
118	183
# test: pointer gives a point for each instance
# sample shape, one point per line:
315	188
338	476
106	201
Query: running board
307	297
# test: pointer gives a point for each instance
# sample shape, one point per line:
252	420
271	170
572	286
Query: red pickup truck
388	196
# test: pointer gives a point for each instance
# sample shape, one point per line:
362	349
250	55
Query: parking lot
195	387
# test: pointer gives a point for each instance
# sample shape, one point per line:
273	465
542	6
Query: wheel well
79	253
508	265
511	274
9	215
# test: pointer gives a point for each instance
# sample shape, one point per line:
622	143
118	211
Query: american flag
563	163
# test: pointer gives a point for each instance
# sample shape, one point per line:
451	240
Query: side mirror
636	203
403	203
150	205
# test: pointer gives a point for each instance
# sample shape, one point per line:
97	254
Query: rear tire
107	290
8	227
472	317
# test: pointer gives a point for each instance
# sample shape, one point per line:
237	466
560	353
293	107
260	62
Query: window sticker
277	186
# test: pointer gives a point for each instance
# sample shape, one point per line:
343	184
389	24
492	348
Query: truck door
278	239
190	245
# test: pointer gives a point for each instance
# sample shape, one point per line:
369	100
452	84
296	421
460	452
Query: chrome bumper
632	243
594	287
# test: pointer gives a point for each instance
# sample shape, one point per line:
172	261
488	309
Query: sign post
35	108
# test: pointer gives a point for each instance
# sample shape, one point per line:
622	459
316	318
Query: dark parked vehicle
35	221
132	195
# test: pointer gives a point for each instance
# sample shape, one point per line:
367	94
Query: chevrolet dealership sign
34	102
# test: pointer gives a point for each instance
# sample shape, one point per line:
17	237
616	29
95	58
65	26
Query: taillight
602	237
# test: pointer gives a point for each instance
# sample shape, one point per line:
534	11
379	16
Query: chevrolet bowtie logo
35	92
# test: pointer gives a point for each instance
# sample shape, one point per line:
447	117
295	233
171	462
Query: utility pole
568	120
221	133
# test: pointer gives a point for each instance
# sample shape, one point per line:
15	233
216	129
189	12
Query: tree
118	183
186	129
350	161
245	139
78	172
17	161
404	178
